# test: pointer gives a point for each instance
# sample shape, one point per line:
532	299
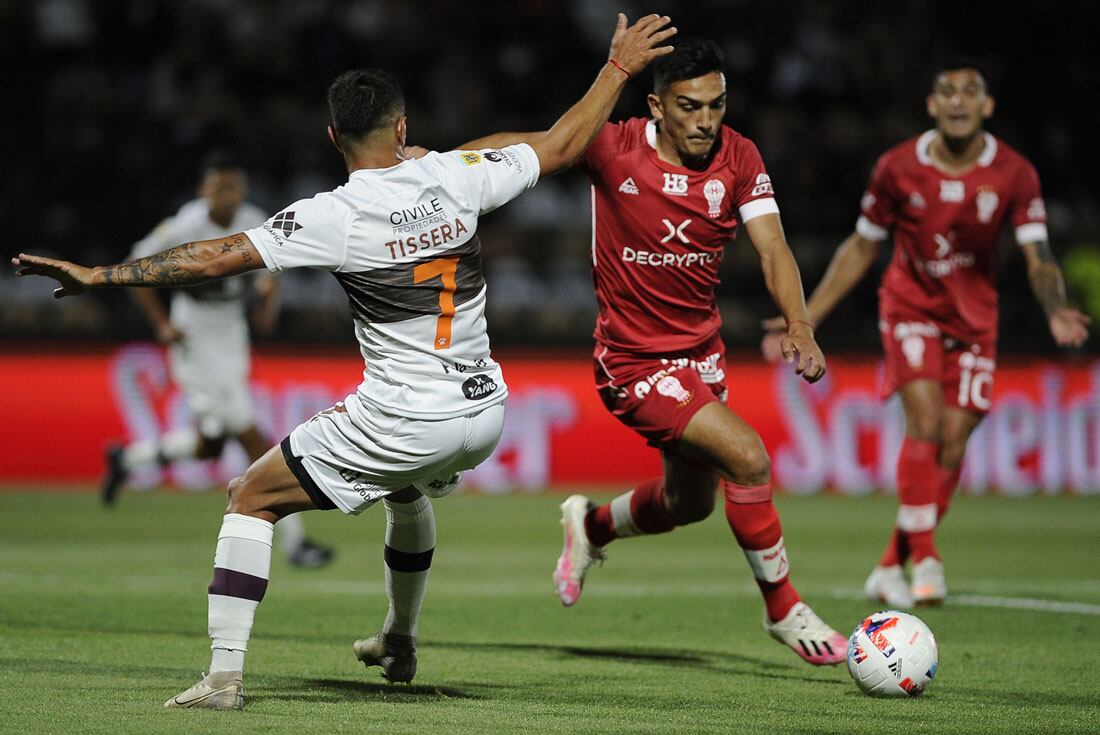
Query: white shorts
213	375
351	463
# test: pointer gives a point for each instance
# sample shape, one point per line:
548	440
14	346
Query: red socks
755	523
639	512
947	481
918	487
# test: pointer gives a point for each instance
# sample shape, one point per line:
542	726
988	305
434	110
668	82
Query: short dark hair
956	62
363	100
692	58
220	159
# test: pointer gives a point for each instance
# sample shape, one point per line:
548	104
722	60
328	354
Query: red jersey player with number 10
946	197
668	194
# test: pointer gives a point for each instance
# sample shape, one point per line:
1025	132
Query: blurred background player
945	198
206	333
668	195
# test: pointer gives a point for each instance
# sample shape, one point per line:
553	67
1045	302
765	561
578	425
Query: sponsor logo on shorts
477	387
358	483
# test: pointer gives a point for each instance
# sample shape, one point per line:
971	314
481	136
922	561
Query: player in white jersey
206	332
400	237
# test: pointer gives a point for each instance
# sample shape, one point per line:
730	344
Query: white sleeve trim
758	208
262	249
532	159
869	230
1031	232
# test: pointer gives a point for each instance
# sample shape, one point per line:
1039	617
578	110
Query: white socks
410	541
242	564
291	533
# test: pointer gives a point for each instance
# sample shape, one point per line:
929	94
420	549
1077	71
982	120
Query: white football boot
217	690
929	587
807	635
889	586
577	554
395	653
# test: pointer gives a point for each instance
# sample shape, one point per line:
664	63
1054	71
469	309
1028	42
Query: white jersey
208	308
402	241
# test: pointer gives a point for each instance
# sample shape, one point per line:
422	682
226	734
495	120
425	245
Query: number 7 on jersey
445	269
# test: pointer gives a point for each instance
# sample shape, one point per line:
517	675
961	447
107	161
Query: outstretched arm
1068	326
559	147
849	264
194	262
785	285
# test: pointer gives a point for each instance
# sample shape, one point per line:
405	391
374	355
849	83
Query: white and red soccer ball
892	654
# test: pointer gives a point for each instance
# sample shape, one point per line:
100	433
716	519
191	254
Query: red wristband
799	321
619	66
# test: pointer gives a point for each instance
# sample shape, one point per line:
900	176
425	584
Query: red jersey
659	232
946	229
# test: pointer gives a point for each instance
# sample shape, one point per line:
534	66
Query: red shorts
656	395
916	349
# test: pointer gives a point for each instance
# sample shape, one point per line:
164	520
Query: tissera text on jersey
404	247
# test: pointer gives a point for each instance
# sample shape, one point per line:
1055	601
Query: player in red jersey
668	194
945	196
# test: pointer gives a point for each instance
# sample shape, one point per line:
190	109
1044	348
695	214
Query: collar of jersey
651	144
984	160
368	171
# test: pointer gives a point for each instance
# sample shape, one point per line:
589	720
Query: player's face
689	114
224	190
959	103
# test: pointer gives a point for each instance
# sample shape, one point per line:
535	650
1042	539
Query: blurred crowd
113	103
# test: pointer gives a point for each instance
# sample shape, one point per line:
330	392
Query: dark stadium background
111	104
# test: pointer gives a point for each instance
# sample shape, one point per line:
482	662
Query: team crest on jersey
952	191
628	186
284	223
676	184
763	185
470	158
987	201
714	190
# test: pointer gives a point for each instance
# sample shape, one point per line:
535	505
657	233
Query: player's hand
775	329
636	46
167	334
409	152
799	347
1069	327
74	279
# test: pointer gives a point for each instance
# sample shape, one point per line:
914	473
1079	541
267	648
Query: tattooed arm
193	262
1068	326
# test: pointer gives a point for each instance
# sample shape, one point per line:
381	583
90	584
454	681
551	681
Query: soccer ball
892	654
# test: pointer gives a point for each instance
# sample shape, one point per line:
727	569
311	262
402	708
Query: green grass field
103	617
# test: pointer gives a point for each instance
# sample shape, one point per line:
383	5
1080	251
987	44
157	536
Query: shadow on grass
288	689
722	663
